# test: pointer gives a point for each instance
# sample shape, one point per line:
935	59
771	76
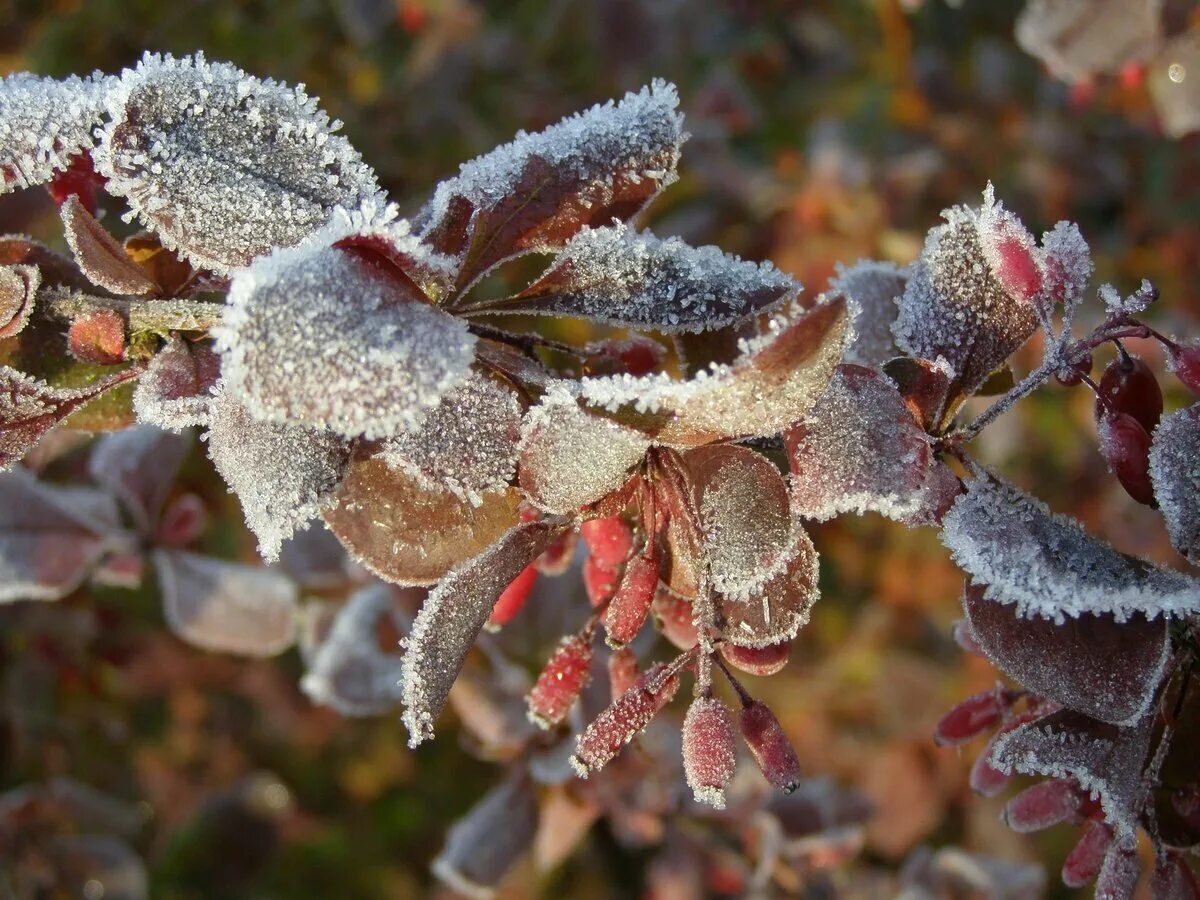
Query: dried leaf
1175	470
18	288
98	254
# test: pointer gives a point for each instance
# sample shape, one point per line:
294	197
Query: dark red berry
1128	386
1184	362
972	717
770	746
1125	445
673	616
1042	805
709	750
560	682
985	779
1083	863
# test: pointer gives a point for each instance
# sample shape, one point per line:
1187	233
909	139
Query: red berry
1083	863
762	661
1129	386
631	603
985	779
513	598
673	616
609	541
560	682
709	751
1015	267
556	558
599	582
622	720
1184	362
971	718
623	671
770	746
98	337
1125	445
1037	808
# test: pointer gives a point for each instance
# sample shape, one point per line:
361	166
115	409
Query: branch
142	315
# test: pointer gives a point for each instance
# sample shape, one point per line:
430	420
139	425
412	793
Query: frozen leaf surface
98	254
139	465
1080	38
319	336
1049	566
1068	263
873	289
222	165
1175	471
18	288
224	606
174	392
780	608
493	835
284	475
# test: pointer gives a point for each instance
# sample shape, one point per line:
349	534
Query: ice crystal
1080	38
873	289
139	465
1068	261
1175	470
174	391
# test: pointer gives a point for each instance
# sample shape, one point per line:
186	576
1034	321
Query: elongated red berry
1119	873
673	616
623	671
599	582
556	558
1042	805
762	661
560	682
1083	863
513	598
1129	386
709	750
770	746
602	740
985	779
1125	445
1184	363
630	604
609	541
972	717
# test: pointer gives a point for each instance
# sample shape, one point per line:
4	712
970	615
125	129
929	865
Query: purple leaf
1175	470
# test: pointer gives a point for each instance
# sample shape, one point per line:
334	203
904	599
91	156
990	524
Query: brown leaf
98	254
18	288
55	268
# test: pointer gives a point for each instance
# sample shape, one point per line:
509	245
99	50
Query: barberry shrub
343	367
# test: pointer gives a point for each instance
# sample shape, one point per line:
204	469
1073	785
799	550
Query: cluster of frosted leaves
623	277
222	165
318	336
224	606
452	617
405	533
138	466
955	304
44	123
467	444
174	391
873	289
51	537
18	289
1049	566
1175	471
859	449
570	458
1089	663
1080	38
348	671
284	475
776	378
1106	760
536	192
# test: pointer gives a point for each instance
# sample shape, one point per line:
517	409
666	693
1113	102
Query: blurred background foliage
822	131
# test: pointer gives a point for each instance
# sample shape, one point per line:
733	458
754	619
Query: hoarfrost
139	465
1175	471
18	291
873	289
1080	38
173	393
1068	261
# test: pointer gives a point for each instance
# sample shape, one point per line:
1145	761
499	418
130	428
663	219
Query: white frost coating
709	757
1080	38
1175	471
44	122
172	393
467	443
622	277
314	335
873	289
348	671
1068	260
225	166
1049	566
225	606
570	458
284	475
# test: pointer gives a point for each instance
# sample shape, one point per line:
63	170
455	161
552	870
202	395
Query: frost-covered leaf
619	276
873	289
29	407
284	475
315	559
467	443
225	606
51	537
1089	663
1049	566
777	378
44	123
777	611
860	449
98	254
222	165
965	299
18	288
1068	262
139	465
174	391
408	534
453	615
1080	38
1105	759
570	458
349	671
535	193
98	338
1175	470
319	336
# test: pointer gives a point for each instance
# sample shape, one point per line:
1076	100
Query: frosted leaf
98	254
1175	471
224	606
467	443
938	493
776	379
319	336
139	465
483	845
622	277
570	458
778	611
1171	77
174	391
1068	261
51	537
44	123
860	449
745	519
1105	759
1089	663
29	407
315	559
222	165
1080	38
535	193
18	290
1049	566
349	671
408	534
55	269
873	289
956	306
453	615
284	475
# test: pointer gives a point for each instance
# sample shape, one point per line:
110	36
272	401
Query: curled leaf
102	259
18	288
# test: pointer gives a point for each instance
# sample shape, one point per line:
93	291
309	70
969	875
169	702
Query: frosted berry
602	740
972	717
623	671
673	616
1042	805
770	746
599	582
1083	863
560	682
709	750
631	603
609	541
